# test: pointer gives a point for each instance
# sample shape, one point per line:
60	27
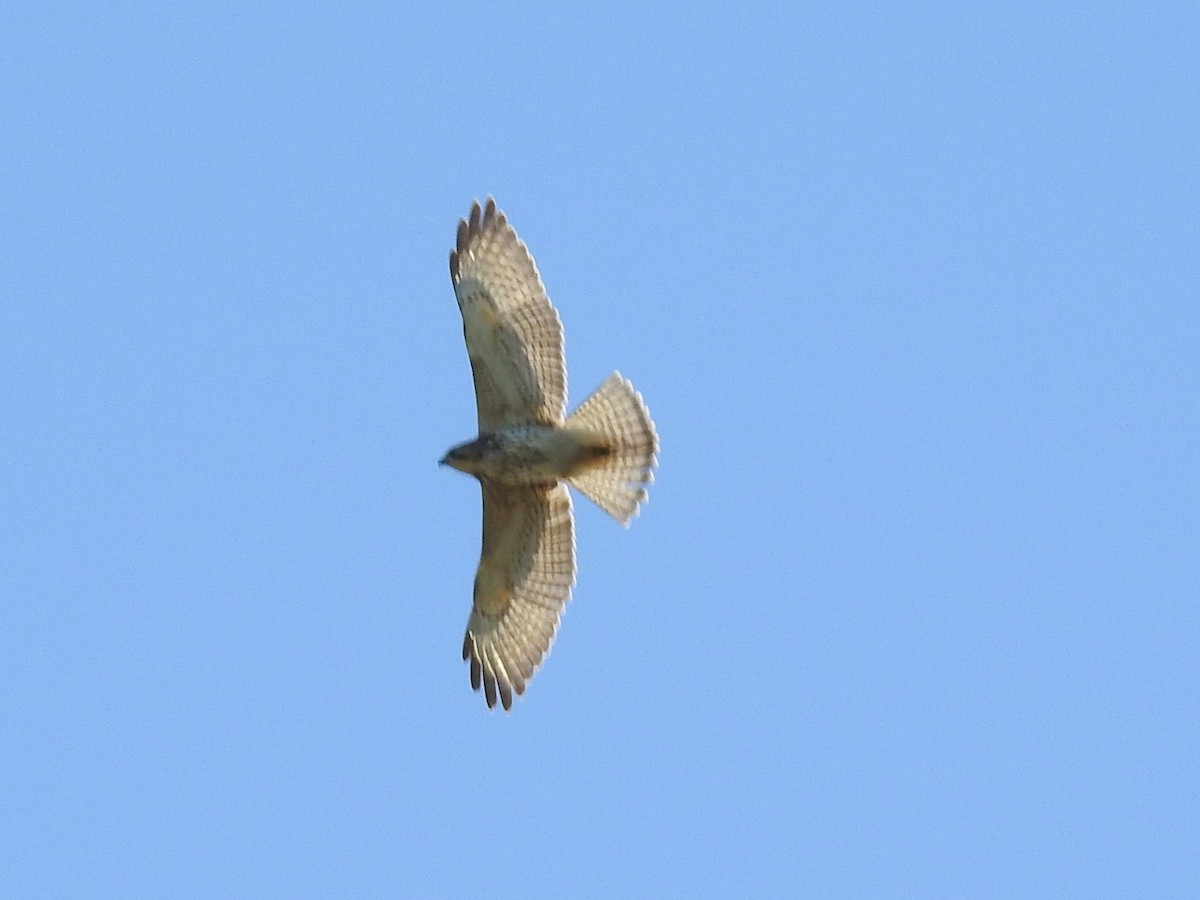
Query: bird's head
466	457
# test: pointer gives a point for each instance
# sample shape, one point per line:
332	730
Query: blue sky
912	296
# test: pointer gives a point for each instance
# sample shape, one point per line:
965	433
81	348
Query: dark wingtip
476	667
479	220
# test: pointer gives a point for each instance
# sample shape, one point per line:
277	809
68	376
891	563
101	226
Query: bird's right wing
514	336
524	580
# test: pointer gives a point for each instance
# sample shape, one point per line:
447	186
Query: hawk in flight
528	450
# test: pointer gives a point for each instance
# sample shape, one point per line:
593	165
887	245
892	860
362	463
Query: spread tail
620	441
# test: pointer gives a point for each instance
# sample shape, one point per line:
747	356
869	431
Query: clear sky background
912	295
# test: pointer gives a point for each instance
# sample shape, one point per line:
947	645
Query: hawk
528	450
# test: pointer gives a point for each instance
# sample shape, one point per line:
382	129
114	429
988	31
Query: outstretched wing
524	580
514	337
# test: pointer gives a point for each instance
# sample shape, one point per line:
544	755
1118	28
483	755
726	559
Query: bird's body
527	454
527	451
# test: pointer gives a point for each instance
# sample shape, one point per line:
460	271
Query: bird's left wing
524	580
514	336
